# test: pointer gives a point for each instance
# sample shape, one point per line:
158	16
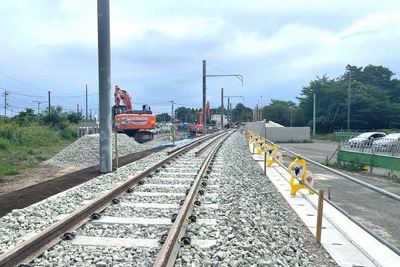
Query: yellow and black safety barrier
301	178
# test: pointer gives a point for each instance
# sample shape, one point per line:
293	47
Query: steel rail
169	250
200	140
201	150
341	210
33	247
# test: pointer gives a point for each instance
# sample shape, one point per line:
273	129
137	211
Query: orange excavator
134	123
198	127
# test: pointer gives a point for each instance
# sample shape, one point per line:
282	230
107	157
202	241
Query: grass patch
7	169
347	166
23	147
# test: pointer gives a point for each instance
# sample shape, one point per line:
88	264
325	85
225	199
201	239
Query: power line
23	83
76	96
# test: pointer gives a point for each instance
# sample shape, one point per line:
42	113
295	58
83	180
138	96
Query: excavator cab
134	123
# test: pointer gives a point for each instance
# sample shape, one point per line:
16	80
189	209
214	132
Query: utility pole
172	111
90	118
229	112
77	108
261	107
204	97
86	105
38	105
222	108
104	59
348	102
49	101
314	115
5	104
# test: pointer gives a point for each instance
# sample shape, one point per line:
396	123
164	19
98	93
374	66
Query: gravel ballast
255	225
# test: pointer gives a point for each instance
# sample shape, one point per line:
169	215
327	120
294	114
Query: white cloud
158	46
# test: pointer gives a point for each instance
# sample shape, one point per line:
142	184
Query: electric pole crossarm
240	77
242	97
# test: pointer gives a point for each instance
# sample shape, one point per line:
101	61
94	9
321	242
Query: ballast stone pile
86	150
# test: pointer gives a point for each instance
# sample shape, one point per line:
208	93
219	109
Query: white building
217	118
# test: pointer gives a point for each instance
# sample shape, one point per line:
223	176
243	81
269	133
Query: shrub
4	144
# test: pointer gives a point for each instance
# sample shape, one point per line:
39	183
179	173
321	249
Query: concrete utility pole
222	108
87	116
5	94
348	102
314	115
77	108
205	75
172	111
103	27
229	112
49	101
204	96
38	105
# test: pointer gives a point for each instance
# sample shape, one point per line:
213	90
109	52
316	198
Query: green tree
74	117
374	100
241	113
279	111
56	118
26	117
163	117
185	114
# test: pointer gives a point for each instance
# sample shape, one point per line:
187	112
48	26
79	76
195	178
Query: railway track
151	208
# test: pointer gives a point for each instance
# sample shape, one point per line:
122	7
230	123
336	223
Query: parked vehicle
366	139
389	143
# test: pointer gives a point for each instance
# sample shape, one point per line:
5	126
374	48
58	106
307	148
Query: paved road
376	211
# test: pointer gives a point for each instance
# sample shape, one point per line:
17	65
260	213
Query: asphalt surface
376	211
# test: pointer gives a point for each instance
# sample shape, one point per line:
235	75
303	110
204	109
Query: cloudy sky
157	48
